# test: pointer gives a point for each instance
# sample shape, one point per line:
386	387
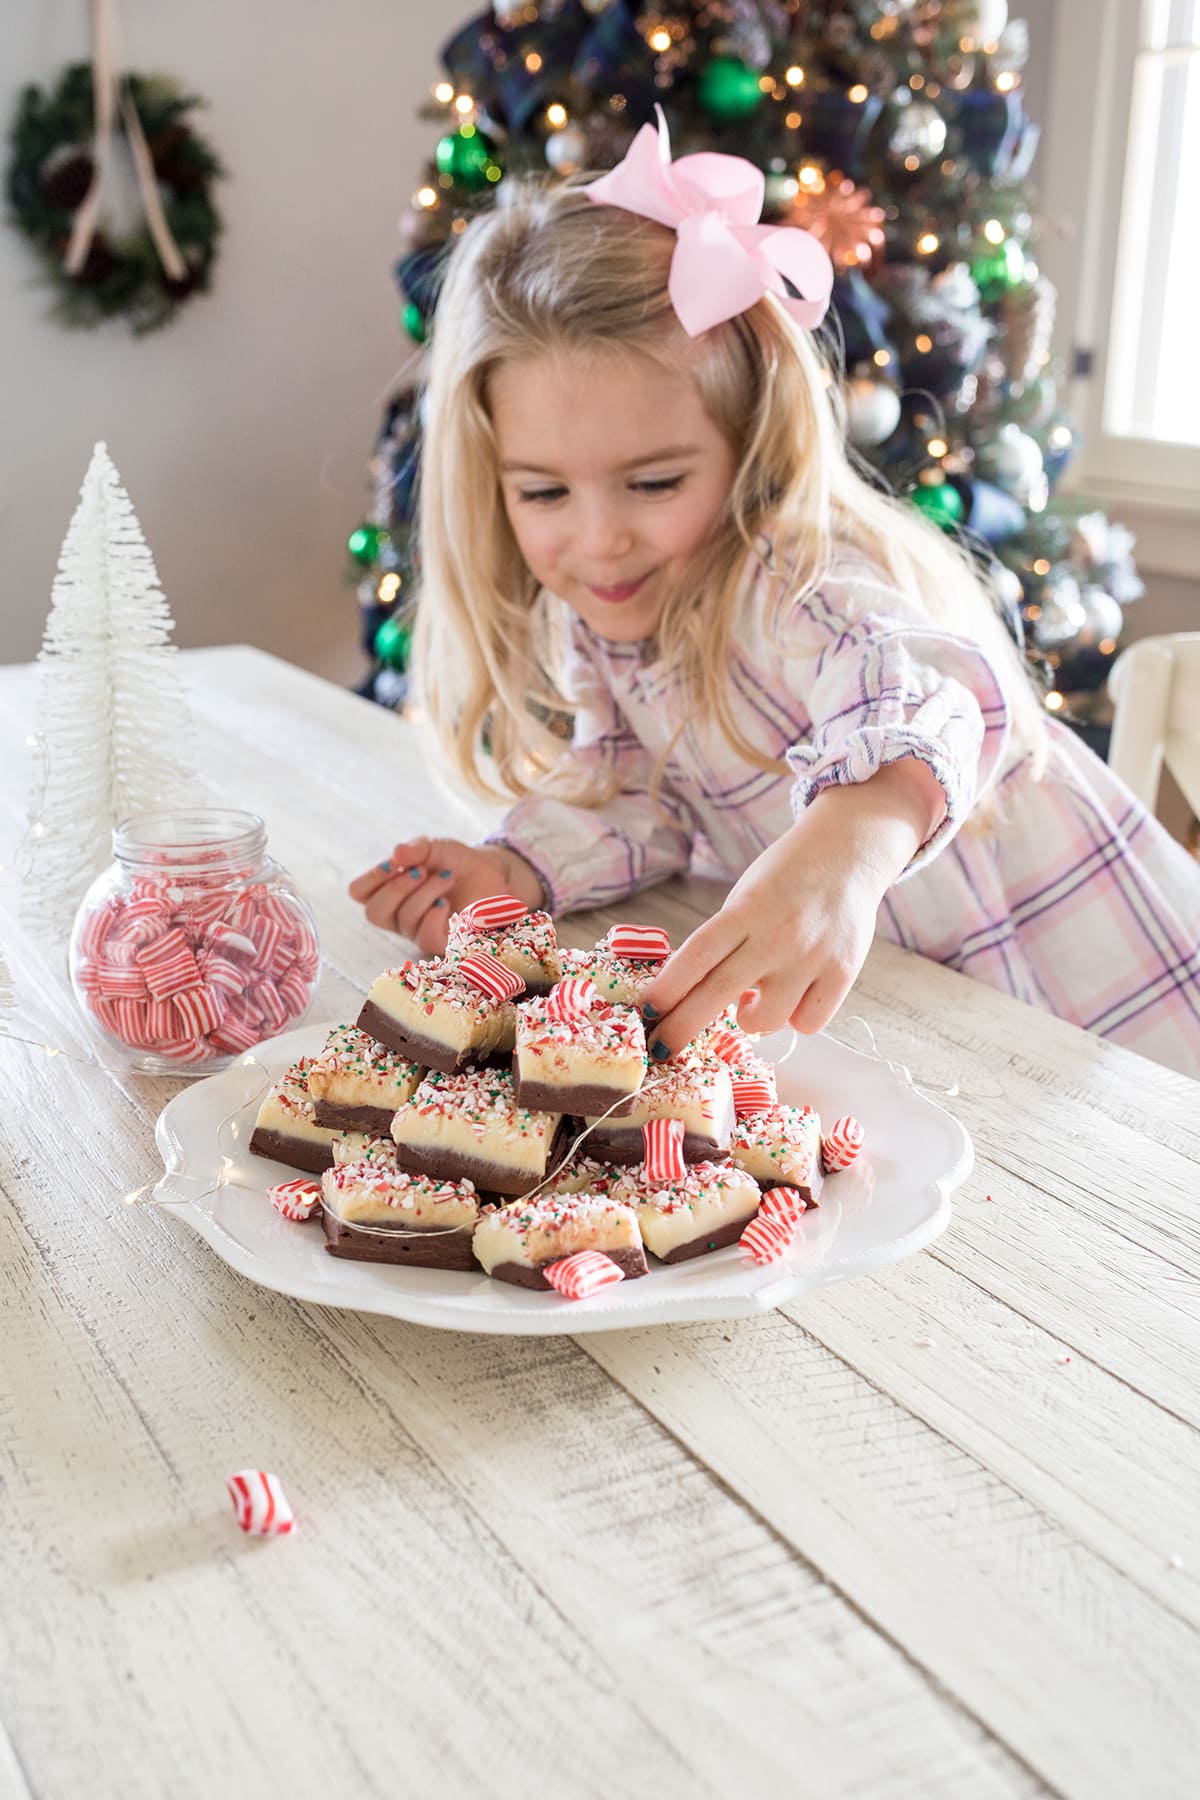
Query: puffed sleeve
587	856
885	685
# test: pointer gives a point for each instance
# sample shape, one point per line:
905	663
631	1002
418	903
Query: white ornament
566	150
1014	461
982	21
116	734
872	410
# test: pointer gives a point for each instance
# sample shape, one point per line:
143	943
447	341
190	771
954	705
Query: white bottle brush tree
115	733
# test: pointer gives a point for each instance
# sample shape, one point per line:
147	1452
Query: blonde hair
550	270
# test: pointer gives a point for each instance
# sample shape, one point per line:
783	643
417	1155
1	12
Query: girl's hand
414	890
795	930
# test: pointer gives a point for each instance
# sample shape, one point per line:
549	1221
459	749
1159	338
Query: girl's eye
664	485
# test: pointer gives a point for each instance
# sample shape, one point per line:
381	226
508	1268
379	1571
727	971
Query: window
1121	198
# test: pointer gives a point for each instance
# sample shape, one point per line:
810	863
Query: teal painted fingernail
659	1051
386	867
650	1012
415	872
439	903
444	875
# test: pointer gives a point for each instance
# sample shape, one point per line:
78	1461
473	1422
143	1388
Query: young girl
636	501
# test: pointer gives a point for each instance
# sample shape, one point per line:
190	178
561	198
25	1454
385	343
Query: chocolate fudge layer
625	1144
427	1248
708	1240
297	1152
376	1121
530	1275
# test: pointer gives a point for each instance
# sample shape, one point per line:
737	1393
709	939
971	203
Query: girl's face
613	475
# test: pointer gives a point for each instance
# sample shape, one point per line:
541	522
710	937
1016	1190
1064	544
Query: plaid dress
1073	898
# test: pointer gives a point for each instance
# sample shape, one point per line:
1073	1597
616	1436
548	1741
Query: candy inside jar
194	945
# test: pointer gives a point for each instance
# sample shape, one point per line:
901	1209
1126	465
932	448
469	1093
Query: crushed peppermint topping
704	1181
606	1032
550	1212
616	978
396	1187
483	1097
438	983
349	1051
532	938
291	1090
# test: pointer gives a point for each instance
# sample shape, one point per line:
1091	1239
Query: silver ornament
1061	617
1102	618
872	410
982	21
919	130
1014	462
566	150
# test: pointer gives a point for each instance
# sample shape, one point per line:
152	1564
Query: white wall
243	430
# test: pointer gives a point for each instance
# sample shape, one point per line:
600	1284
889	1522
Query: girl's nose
605	534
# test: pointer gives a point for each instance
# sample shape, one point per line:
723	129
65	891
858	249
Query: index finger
704	974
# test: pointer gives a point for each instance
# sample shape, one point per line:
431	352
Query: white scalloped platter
894	1200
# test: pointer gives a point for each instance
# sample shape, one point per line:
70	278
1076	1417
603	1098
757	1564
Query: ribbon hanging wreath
62	158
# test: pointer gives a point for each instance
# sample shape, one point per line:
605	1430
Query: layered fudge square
688	1215
617	979
516	1243
356	1084
693	1086
469	1126
376	1214
524	941
781	1147
433	1013
286	1127
577	1060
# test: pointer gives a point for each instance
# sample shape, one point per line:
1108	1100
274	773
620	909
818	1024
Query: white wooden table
934	1533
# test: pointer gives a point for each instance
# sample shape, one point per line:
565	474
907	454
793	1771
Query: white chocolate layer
430	1000
289	1108
695	1089
359	1146
474	1116
605	1048
353	1070
781	1146
711	1196
363	1193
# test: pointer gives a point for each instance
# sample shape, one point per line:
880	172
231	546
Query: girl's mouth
625	592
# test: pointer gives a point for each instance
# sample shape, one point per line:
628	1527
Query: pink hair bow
724	259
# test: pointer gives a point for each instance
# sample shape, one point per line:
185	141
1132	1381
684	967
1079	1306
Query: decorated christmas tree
895	130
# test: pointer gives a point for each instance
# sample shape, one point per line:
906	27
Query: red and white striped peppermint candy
267	935
496	909
231	943
663	1158
169	965
585	1273
115	980
842	1143
730	1046
572	998
296	1200
270	1003
766	1239
260	1503
133	1022
753	1096
640	943
96	928
200	1010
783	1203
490	976
274	906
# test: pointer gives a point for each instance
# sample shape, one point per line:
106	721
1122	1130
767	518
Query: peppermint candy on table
842	1144
753	1096
784	1204
585	1273
260	1503
639	943
496	909
297	1200
766	1239
663	1158
572	998
490	976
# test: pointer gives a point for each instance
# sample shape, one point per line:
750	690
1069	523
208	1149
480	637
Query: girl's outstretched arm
415	889
795	930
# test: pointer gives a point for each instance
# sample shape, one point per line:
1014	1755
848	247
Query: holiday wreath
143	276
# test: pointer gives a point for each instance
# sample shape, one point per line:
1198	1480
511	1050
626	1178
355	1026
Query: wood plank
1085	1678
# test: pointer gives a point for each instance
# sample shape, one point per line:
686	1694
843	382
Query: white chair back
1155	688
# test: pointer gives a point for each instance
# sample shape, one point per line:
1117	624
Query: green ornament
1001	269
468	156
393	641
940	501
728	89
365	543
414	324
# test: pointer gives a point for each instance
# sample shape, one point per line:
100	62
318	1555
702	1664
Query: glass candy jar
193	945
